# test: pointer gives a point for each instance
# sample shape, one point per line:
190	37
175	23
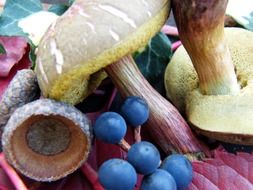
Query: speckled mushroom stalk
165	124
201	27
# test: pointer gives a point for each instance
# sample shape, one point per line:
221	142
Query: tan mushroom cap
222	117
47	140
89	36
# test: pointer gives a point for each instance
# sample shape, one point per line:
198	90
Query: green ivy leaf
58	2
153	60
14	11
58	9
2	50
242	12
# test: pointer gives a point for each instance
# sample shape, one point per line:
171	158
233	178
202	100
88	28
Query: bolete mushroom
212	84
92	35
46	140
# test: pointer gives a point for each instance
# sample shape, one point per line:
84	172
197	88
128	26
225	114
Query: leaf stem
169	30
15	179
92	176
175	45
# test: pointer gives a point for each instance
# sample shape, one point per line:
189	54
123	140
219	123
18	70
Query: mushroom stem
201	29
165	124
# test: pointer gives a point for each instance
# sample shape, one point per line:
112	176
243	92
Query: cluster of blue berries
175	172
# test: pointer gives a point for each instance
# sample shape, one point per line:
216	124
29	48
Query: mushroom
212	84
47	140
22	89
89	37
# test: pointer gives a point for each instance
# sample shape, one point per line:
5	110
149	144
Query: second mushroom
210	77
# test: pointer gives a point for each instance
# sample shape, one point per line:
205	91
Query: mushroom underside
223	117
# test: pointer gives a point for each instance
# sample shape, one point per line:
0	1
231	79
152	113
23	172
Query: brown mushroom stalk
201	28
201	79
165	124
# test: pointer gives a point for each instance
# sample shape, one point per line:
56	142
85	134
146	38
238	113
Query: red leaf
22	64
15	49
5	182
74	181
224	171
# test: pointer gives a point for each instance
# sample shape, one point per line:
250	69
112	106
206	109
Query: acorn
22	89
47	140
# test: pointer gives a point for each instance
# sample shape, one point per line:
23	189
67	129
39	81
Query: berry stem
15	179
165	124
124	145
201	29
137	134
92	176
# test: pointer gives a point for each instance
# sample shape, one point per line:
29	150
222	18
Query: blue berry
110	127
159	180
117	174
135	111
144	156
180	168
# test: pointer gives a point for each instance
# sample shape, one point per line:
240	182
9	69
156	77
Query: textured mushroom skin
223	117
22	89
90	36
201	28
27	166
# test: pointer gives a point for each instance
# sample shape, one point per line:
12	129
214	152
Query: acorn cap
223	117
22	89
47	140
90	36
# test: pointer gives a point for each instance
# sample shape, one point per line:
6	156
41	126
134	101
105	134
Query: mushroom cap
47	140
89	36
22	89
223	117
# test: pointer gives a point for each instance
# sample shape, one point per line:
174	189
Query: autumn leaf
225	171
15	48
16	59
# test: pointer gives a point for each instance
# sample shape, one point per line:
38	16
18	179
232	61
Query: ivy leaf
2	50
60	6
58	2
153	60
14	11
241	12
224	171
58	9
